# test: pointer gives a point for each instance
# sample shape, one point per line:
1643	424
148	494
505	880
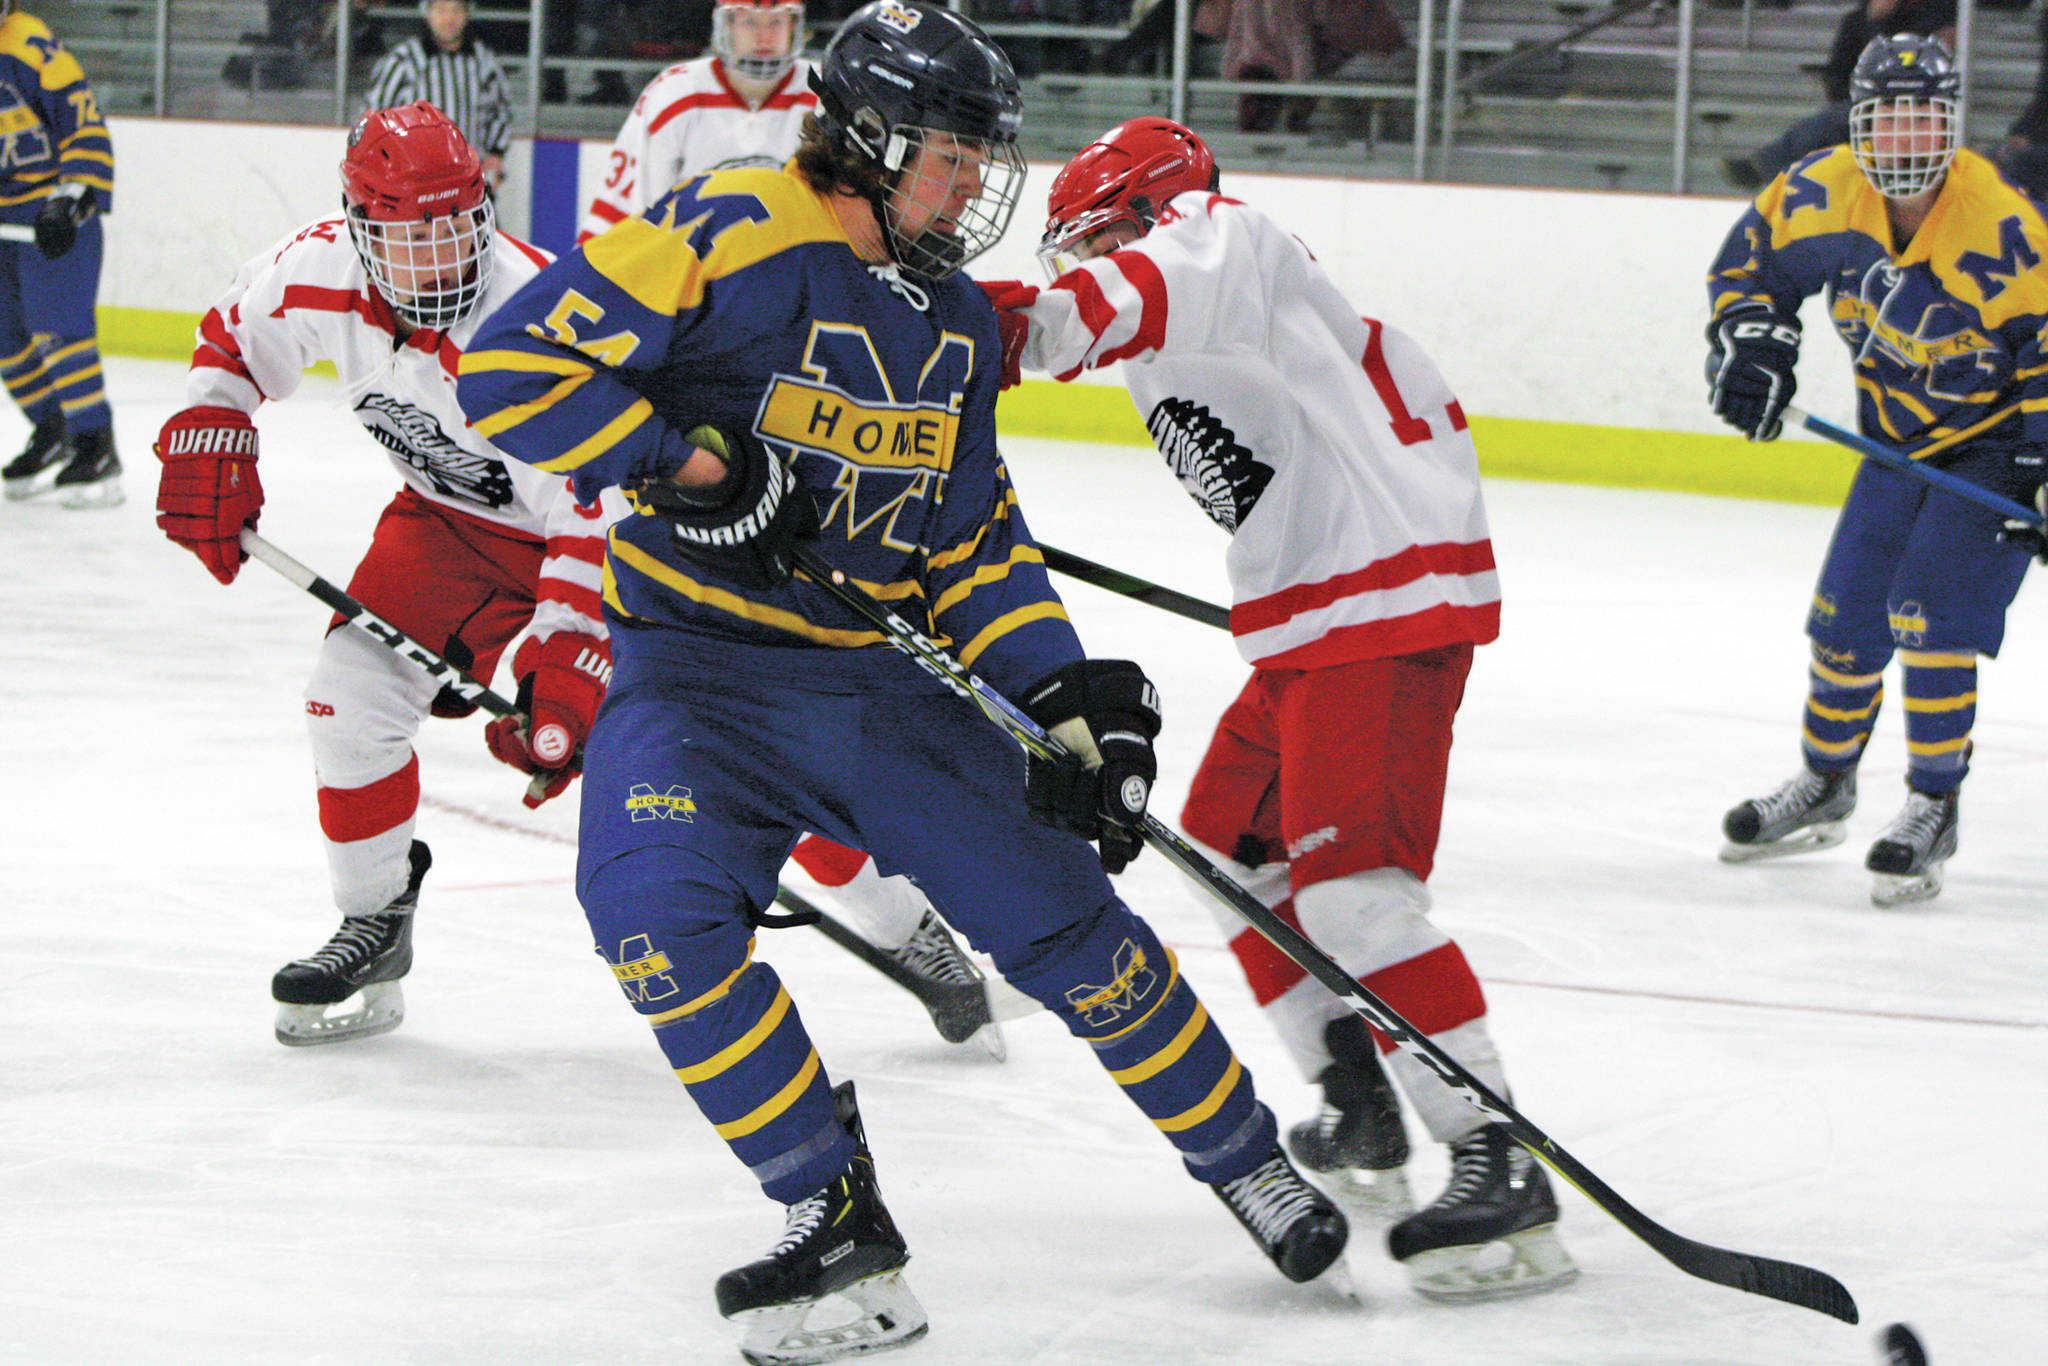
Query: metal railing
1456	76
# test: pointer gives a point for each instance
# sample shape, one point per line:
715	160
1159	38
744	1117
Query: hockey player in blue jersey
767	356
56	179
1931	266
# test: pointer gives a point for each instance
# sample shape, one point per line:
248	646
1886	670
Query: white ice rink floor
1756	1057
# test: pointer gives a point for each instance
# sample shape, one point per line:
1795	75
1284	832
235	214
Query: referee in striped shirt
454	72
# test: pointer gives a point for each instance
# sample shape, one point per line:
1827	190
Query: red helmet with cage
747	40
1125	176
419	212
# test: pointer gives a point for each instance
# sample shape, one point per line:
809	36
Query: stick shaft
1899	460
1131	586
374	626
1786	1281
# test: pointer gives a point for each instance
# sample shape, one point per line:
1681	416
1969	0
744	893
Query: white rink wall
1560	306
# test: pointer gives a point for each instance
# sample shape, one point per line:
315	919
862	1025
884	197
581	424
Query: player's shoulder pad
1823	192
1990	249
708	227
29	41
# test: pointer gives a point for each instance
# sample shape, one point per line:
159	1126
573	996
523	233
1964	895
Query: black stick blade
1766	1276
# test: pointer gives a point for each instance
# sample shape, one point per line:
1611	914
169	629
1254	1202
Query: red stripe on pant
832	865
1434	991
348	814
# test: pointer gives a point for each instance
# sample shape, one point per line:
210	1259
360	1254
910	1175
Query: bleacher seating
1596	113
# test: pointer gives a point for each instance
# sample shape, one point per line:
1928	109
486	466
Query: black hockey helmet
898	71
1912	82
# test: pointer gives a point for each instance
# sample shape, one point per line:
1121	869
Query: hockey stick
1899	460
391	638
958	1010
1131	586
1786	1281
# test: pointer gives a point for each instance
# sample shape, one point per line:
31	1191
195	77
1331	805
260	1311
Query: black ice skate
1907	859
35	470
91	478
950	986
1357	1144
367	956
1294	1223
1803	815
832	1286
1491	1234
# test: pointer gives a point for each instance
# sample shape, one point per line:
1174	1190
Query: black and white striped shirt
466	85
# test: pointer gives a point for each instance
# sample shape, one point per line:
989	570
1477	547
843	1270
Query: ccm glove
1010	297
57	221
208	490
1750	368
745	527
1106	713
2030	535
561	683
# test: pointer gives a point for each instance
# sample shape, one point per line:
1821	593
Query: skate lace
1918	823
1471	1165
360	938
932	953
1797	794
804	1218
1270	1199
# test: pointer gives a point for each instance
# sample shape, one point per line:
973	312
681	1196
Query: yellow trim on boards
1509	448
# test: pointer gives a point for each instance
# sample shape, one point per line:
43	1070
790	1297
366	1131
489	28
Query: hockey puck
1902	1347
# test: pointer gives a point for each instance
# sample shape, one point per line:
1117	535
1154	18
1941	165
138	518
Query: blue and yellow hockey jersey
1946	333
50	124
738	301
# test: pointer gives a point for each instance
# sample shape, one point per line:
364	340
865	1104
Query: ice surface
1756	1057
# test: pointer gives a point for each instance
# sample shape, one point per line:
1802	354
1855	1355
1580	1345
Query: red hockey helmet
1125	176
419	212
747	39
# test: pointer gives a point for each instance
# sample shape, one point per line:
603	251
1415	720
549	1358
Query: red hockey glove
209	490
1009	297
561	682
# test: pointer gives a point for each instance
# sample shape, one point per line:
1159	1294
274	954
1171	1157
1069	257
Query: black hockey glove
746	526
1106	712
57	222
1750	368
2030	535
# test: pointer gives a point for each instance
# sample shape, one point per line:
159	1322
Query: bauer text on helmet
419	213
923	94
1904	114
757	39
1112	191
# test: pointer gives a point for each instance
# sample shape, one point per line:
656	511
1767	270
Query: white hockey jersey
690	120
1326	443
309	299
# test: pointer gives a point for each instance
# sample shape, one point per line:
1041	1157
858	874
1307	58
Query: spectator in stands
1293	40
446	66
1829	125
2023	157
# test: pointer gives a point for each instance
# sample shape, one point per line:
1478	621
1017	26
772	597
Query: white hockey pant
364	704
1367	922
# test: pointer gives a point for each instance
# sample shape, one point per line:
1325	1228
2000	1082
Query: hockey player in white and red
745	106
472	551
742	106
1362	576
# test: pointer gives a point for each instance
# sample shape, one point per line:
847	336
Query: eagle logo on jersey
416	437
23	140
1209	461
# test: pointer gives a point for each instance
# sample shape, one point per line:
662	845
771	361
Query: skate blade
42	482
1525	1263
1379	1196
873	1315
107	493
989	1039
1812	839
1893	889
379	1007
